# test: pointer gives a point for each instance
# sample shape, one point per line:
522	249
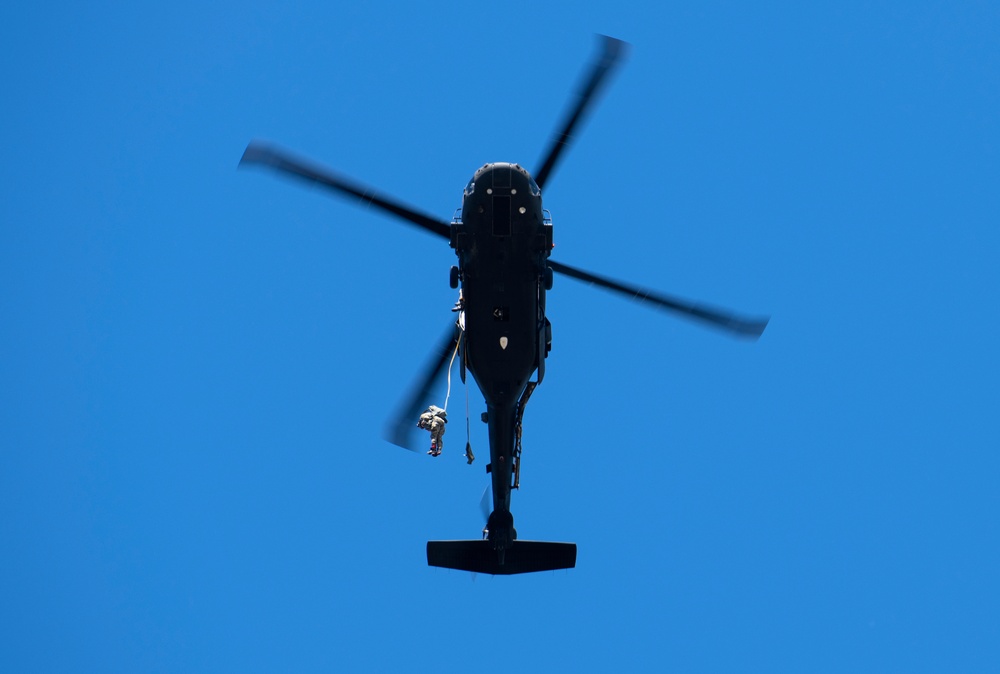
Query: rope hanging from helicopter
469	456
451	365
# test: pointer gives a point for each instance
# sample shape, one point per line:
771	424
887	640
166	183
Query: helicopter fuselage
503	241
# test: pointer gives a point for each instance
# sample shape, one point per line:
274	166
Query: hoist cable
450	365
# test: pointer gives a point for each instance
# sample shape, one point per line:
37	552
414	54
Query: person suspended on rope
433	420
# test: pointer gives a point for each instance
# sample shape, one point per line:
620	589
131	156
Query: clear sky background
196	363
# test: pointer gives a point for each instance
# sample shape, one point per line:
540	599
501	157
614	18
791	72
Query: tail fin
479	556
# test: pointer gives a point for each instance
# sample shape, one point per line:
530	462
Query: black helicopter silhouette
503	240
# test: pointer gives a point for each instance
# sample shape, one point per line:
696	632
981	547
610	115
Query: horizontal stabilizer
479	556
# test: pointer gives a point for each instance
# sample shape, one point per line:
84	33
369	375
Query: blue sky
197	362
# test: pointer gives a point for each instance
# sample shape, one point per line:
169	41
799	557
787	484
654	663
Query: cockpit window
471	187
535	191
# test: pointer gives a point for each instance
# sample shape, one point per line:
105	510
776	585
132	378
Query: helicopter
503	240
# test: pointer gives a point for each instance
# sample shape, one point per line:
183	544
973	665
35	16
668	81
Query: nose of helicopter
503	197
501	176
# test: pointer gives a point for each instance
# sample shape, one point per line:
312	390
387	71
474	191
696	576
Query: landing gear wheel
453	279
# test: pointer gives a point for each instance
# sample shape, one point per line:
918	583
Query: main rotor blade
612	52
751	328
260	153
399	431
